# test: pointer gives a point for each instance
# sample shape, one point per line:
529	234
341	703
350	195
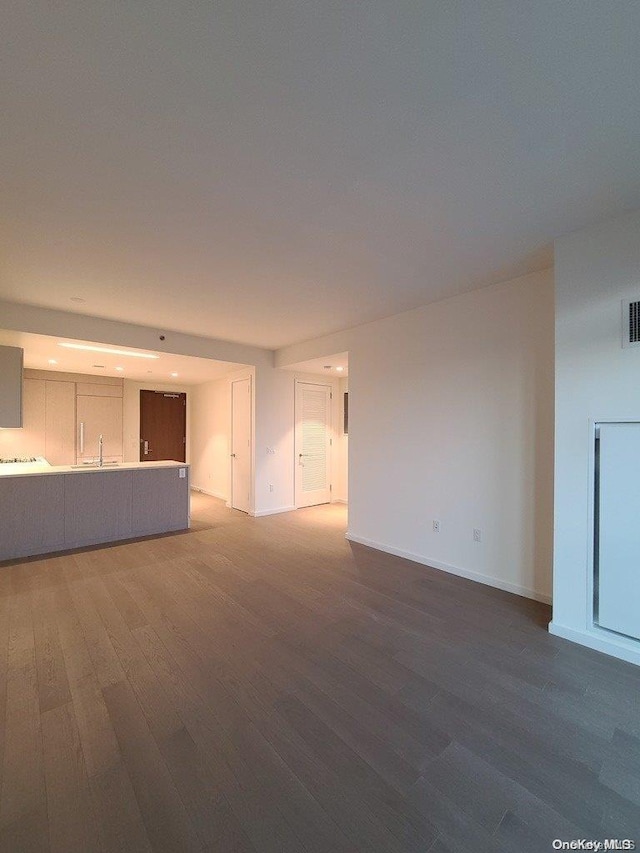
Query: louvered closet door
313	444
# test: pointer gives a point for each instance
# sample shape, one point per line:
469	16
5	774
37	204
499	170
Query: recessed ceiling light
108	350
52	361
77	299
119	368
174	374
339	369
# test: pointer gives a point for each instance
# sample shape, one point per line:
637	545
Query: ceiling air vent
631	323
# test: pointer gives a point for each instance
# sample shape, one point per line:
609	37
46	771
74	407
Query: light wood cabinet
10	387
97	416
60	422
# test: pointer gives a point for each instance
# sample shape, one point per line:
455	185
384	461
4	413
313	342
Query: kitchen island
54	508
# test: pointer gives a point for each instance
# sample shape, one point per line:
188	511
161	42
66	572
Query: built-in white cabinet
10	387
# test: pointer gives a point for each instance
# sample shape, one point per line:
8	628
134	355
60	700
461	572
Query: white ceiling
326	366
40	349
268	172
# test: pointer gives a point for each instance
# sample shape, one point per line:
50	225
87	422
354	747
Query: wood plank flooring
263	686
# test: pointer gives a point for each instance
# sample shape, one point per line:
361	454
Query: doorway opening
314	442
321	430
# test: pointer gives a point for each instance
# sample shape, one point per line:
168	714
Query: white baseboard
617	647
207	492
262	512
453	570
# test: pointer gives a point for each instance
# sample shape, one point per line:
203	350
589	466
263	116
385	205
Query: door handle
233	455
81	437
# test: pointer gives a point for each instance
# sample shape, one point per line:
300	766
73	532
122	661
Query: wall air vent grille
631	323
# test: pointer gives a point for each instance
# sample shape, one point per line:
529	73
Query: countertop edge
90	469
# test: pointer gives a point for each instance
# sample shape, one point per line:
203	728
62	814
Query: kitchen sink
96	465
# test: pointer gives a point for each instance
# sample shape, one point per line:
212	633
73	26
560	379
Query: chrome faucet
100	454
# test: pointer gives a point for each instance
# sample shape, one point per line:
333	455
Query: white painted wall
211	438
596	379
451	417
211	434
131	414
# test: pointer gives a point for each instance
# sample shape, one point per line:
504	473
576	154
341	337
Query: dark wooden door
163	426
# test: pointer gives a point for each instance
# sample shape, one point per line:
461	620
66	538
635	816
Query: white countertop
34	469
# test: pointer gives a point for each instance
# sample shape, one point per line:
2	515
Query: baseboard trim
627	650
339	501
488	580
218	495
262	512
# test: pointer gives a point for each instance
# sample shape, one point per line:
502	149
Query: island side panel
31	516
97	507
160	500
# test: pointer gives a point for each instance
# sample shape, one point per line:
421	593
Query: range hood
11	361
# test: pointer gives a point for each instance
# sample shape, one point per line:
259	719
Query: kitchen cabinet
158	498
28	441
97	416
10	387
32	516
60	422
97	507
56	508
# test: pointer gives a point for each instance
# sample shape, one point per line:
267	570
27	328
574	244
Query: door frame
330	416
232	381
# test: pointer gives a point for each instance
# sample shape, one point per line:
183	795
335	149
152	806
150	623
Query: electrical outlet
436	525
183	473
477	534
270	487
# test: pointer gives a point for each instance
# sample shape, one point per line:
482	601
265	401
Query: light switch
182	473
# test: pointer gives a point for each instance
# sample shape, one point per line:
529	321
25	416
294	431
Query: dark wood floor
261	685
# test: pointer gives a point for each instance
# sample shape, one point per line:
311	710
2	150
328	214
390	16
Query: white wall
131	414
211	434
596	379
210	438
451	418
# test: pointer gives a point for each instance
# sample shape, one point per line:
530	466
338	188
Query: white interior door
313	444
241	444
